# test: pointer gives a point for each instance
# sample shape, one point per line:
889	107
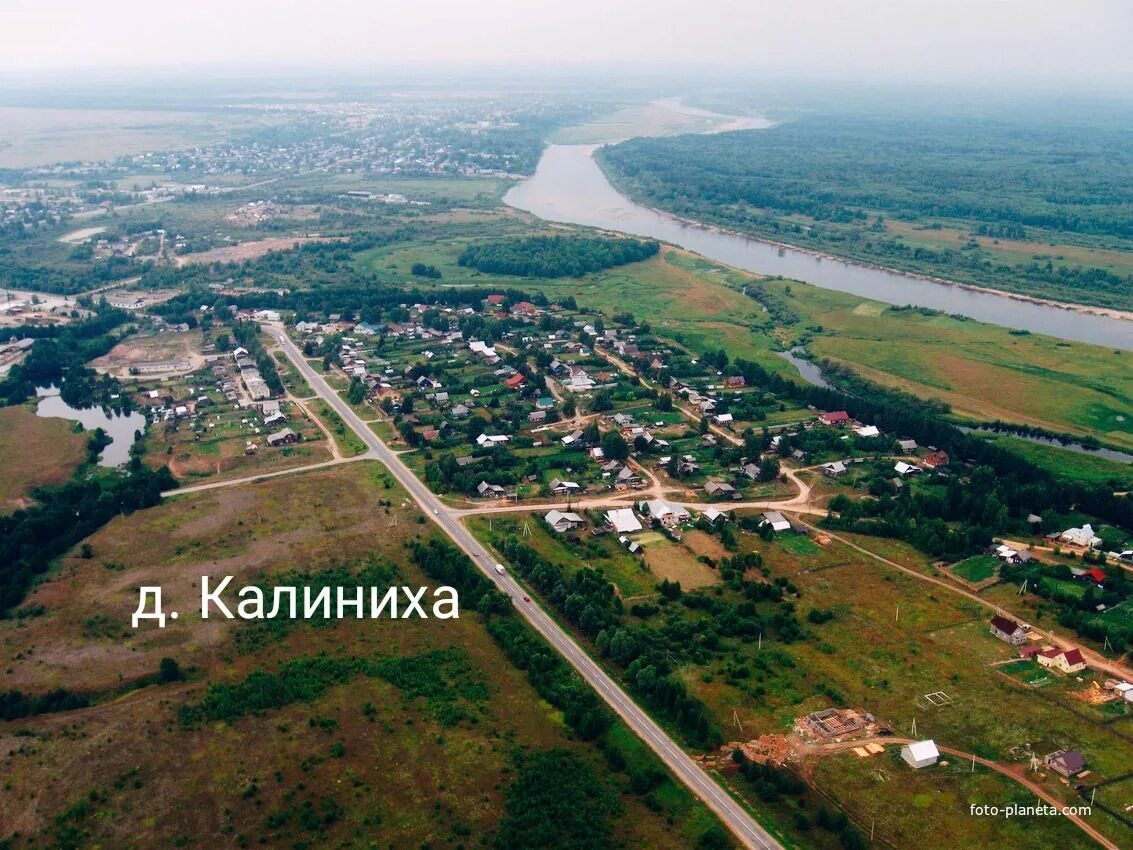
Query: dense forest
831	183
555	256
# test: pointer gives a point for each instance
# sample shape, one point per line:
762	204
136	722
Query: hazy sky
898	38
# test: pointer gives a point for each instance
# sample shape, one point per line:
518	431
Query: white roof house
492	440
776	520
711	514
906	468
623	520
560	521
666	512
1083	536
867	431
834	468
920	754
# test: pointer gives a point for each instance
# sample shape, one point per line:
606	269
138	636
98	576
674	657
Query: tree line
555	256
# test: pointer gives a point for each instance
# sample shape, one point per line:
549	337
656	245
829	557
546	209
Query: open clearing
148	348
674	562
34	452
249	250
977	569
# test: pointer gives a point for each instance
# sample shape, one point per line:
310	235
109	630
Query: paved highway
733	815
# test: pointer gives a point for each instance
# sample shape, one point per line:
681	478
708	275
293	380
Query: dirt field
248	250
676	563
141	349
34	452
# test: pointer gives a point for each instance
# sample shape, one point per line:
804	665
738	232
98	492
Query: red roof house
1095	575
1066	660
515	381
836	417
932	461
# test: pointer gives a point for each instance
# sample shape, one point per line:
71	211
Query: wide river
568	186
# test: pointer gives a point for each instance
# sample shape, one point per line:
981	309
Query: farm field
445	716
35	452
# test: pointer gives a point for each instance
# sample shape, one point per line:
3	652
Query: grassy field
378	761
1063	463
902	805
35	452
977	569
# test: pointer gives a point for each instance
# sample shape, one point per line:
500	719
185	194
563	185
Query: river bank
569	186
1108	312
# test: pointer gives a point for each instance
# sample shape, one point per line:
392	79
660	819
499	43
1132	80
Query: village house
492	440
1009	555
713	515
751	470
905	469
490	491
1083	537
935	460
834	469
537	416
623	521
1065	660
628	478
1008	631
834	418
1067	762
283	438
561	488
574	440
776	520
515	381
1092	575
668	514
867	431
733	382
720	490
563	522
